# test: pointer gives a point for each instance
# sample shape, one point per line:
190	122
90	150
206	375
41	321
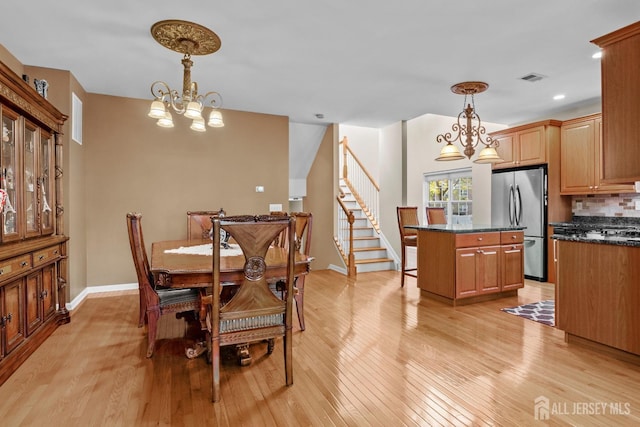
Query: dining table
189	264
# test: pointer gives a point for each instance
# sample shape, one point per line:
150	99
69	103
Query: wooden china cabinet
33	247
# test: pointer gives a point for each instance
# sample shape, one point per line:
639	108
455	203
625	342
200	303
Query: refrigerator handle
518	205
511	205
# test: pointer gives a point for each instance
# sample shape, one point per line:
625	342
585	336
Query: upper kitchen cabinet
526	145
581	169
620	109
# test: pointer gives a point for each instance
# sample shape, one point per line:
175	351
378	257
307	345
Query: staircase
369	253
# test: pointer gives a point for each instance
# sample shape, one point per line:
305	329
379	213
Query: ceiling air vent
532	77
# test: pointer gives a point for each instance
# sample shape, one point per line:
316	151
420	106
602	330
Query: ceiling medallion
185	37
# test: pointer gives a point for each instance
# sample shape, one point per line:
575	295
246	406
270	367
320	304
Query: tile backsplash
606	205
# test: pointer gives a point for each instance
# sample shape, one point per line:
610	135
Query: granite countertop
465	228
588	229
605	240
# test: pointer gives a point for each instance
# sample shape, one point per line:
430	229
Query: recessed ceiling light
558	97
597	55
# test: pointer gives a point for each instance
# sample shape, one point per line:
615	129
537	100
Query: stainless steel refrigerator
519	197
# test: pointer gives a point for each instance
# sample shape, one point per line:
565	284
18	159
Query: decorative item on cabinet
33	246
581	167
620	110
42	86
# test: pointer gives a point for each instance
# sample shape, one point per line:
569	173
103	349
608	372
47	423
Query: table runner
206	249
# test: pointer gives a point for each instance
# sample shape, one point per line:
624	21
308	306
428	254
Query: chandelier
189	39
469	130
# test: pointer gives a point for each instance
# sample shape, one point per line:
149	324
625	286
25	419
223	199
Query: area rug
542	311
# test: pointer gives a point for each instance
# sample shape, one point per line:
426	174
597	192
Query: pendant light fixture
469	130
189	39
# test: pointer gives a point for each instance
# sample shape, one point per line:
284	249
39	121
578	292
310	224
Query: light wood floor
373	354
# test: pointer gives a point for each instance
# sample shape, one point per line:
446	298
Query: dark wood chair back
141	263
254	312
199	224
407	215
154	303
304	227
436	216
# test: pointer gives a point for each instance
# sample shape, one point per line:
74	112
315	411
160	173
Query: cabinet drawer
507	237
467	240
46	255
14	266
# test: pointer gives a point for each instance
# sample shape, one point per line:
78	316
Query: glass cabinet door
8	170
30	180
46	180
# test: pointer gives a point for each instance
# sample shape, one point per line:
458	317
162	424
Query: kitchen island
467	263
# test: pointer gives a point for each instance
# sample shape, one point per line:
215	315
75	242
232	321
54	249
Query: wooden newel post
351	270
344	157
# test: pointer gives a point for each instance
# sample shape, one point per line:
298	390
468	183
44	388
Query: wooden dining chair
155	302
407	215
281	239
199	224
436	216
304	225
254	313
302	243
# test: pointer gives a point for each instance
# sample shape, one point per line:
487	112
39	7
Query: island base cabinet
462	268
477	271
598	293
512	260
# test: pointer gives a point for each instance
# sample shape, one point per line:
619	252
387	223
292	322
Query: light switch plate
275	207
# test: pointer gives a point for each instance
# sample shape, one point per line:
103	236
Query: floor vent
532	77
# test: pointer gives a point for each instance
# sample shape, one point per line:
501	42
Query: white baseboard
99	289
338	269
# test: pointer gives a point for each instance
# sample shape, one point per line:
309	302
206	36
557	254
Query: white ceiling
358	62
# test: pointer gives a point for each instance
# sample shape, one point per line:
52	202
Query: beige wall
134	165
322	189
11	61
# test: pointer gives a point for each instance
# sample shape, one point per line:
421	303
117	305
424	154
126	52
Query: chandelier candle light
190	39
469	130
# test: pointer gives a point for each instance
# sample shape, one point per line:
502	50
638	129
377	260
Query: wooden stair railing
344	239
364	188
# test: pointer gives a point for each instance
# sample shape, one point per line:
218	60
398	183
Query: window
76	118
453	191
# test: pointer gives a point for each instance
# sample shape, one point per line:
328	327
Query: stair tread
373	260
369	249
